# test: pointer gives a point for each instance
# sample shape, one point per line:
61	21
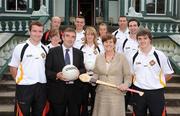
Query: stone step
7	110
7	97
172	99
175	79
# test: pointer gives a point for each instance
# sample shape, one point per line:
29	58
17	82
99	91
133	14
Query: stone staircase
7	93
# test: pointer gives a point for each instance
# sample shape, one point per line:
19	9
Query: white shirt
100	44
130	47
33	64
120	36
79	39
148	74
70	53
89	56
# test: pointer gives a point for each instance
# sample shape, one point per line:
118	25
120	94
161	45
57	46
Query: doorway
86	9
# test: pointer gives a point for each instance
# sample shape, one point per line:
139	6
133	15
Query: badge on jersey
43	55
152	62
95	52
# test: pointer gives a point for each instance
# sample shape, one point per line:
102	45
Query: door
86	9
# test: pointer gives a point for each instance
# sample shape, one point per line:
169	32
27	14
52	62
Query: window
155	6
16	5
136	4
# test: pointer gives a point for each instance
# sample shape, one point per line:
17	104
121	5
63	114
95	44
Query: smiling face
144	41
36	33
79	23
109	42
144	38
102	30
109	45
122	23
90	35
55	23
133	27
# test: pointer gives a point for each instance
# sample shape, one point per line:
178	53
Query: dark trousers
30	100
153	100
69	107
87	90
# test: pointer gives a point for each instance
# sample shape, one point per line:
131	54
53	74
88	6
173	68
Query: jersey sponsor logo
137	63
127	48
29	55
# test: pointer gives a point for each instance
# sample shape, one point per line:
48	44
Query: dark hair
109	36
122	17
35	23
133	19
102	24
82	17
144	32
69	29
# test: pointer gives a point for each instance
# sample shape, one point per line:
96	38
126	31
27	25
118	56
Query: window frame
16	7
155	10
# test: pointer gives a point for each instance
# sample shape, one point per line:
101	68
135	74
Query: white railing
162	28
14	26
170	48
7	49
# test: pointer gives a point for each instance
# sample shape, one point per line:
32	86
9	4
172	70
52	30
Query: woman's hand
122	87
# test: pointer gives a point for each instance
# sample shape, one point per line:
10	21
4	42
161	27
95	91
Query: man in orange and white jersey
79	25
27	67
122	32
152	70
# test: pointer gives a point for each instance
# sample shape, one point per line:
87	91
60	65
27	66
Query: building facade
158	15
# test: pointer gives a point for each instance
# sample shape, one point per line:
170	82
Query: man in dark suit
64	94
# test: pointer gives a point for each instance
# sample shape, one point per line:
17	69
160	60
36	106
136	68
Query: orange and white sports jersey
120	36
100	45
79	39
32	68
90	54
130	47
148	73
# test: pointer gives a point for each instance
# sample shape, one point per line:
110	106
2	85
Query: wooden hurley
86	78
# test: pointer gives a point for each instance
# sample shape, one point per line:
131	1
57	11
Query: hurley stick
86	78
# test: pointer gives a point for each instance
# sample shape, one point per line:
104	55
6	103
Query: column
169	7
67	7
127	4
122	7
142	7
0	3
75	10
30	4
106	9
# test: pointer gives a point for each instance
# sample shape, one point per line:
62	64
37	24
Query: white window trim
156	9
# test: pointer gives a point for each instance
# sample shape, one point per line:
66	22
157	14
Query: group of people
125	58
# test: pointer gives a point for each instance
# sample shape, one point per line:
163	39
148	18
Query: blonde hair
93	31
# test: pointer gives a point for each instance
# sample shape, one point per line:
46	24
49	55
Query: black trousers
87	100
152	100
30	100
69	107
